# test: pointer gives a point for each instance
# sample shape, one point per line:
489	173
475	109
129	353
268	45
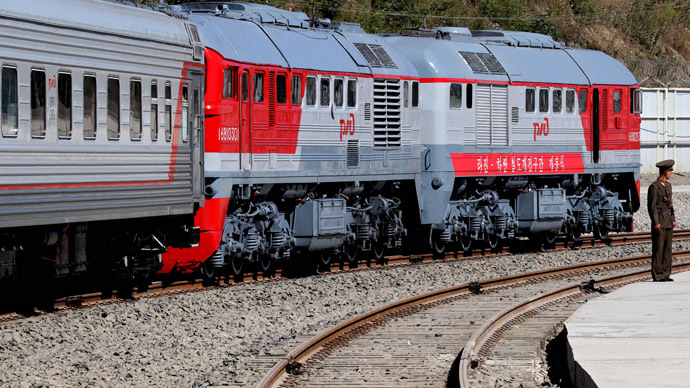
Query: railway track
161	288
491	324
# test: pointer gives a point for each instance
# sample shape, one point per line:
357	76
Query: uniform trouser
661	253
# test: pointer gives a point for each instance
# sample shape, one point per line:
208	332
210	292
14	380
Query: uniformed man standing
660	207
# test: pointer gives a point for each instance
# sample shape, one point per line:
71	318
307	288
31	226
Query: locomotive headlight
436	183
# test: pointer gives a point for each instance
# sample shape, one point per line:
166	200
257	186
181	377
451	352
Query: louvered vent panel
516	114
605	111
473	61
492	115
367	111
272	99
353	153
387	113
491	63
376	55
483	115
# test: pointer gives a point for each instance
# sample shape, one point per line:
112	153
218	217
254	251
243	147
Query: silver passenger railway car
101	131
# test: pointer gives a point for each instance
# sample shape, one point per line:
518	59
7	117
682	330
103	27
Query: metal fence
665	128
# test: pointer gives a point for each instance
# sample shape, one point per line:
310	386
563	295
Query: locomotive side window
339	92
529	100
582	100
89	127
635	100
296	98
557	100
352	93
325	91
229	75
64	106
185	113
406	93
415	94
570	101
245	86
311	91
281	89
468	96
135	110
168	112
543	100
258	87
9	113
154	111
456	95
38	103
617	101
113	109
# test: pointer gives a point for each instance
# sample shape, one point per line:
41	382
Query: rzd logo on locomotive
347	127
541	129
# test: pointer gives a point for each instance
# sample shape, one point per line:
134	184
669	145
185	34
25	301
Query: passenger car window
38	103
325	91
135	110
89	126
311	91
296	90
456	95
339	92
352	93
570	101
557	100
185	113
168	112
154	111
529	100
582	101
617	101
64	106
543	100
9	113
113	109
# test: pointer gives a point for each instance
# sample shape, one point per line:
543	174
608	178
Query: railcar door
596	124
245	122
197	125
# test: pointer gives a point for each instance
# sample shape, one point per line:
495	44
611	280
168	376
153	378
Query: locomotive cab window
406	93
281	89
617	101
38	104
543	100
259	87
185	113
135	110
582	101
468	96
325	91
415	94
311	91
113	109
245	86
296	98
456	96
529	100
90	106
229	77
154	111
570	101
339	92
9	113
635	100
64	106
352	93
557	100
168	112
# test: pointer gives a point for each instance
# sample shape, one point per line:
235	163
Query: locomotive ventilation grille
387	113
376	55
353	153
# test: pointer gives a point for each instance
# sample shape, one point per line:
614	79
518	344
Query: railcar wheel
351	253
267	264
466	244
237	264
208	273
549	239
495	242
601	232
380	253
438	247
575	235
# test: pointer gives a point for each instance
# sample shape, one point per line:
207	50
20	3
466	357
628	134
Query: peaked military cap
666	165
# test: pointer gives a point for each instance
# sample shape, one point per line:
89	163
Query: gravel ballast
214	338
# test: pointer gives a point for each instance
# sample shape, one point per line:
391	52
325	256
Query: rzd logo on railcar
347	127
541	129
228	134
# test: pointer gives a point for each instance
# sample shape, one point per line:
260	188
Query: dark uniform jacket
660	204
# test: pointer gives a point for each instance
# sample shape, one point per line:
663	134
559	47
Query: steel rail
298	356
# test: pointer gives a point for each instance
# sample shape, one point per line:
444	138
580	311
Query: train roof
261	34
108	17
456	52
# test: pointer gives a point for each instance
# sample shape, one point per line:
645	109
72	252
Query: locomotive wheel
575	234
267	264
379	252
324	260
495	242
601	232
351	253
438	247
466	244
549	239
208	273
237	264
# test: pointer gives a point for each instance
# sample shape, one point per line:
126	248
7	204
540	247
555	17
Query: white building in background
665	127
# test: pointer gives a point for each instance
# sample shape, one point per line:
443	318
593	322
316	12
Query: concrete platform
637	336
